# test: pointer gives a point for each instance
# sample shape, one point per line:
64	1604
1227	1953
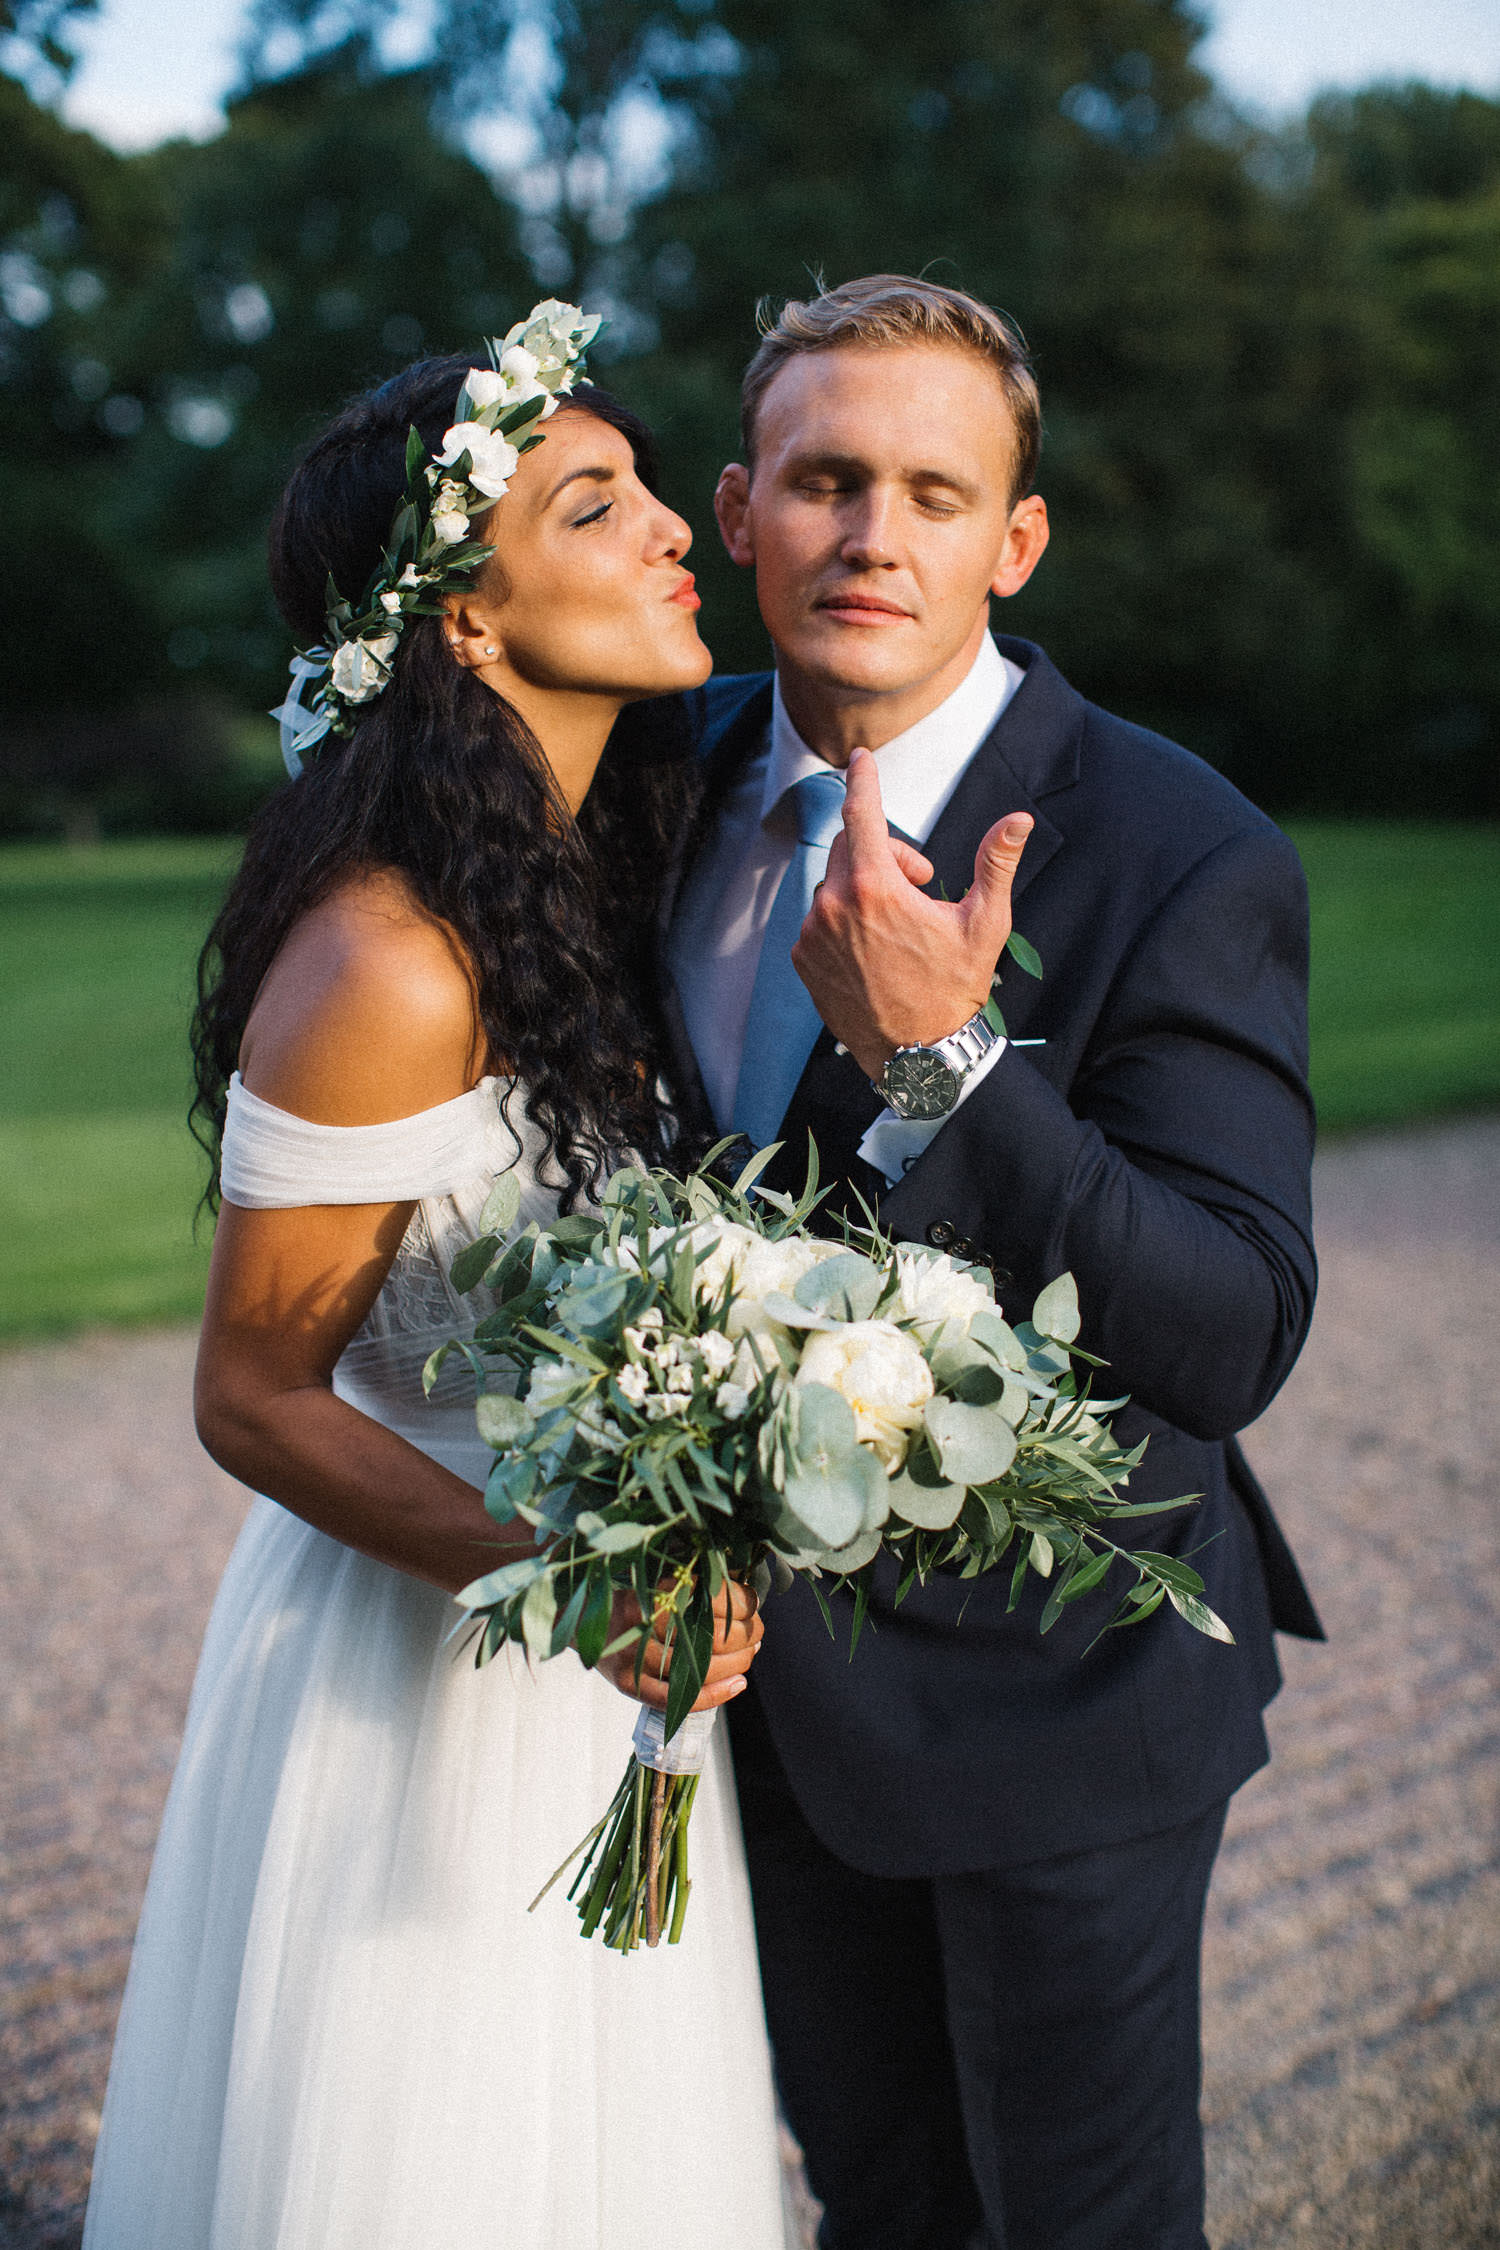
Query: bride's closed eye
595	515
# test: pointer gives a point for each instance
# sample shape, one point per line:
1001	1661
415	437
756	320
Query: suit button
940	1233
963	1247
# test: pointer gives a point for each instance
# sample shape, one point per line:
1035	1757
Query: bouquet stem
634	1880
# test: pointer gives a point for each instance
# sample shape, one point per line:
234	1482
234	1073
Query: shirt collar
920	769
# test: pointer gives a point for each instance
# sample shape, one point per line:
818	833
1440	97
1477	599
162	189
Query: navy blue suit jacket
1157	1146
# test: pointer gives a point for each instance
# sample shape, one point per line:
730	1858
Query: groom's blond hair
893	308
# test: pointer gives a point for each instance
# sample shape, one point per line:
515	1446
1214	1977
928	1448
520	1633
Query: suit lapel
1031	752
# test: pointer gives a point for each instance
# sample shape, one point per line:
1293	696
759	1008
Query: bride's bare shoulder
367	1012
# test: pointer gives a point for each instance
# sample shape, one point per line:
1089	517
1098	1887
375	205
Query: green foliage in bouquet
704	1391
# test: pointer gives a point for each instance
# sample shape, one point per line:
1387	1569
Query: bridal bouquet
698	1390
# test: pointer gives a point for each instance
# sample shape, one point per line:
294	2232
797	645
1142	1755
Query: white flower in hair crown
429	552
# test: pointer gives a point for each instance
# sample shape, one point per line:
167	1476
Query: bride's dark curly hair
445	782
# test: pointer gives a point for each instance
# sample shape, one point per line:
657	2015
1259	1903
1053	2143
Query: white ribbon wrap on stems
687	1752
301	728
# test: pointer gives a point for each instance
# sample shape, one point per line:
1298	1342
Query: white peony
771	1269
362	668
492	458
882	1374
933	1290
728	1245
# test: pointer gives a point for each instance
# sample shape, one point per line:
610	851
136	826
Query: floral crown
429	552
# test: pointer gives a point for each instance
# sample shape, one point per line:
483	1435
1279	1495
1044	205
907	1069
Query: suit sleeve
1172	1177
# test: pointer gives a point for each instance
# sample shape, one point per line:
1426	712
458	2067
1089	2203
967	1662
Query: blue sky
153	68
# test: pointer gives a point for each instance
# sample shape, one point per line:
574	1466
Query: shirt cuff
893	1144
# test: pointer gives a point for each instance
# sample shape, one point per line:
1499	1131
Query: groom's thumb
995	865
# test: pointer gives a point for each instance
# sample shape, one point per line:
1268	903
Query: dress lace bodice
445	1160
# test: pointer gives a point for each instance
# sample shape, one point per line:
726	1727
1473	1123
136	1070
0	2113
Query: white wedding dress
342	2029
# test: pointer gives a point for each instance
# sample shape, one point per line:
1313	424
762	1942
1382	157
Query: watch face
919	1084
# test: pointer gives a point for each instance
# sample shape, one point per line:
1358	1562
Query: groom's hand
738	1630
888	966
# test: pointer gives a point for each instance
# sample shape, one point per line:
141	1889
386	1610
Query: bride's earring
489	652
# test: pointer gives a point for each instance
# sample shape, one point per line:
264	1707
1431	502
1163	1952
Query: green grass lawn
99	1178
98	1174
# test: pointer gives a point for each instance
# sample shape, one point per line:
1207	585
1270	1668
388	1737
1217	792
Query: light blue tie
783	1023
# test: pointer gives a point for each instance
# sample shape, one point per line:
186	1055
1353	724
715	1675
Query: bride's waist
382	1376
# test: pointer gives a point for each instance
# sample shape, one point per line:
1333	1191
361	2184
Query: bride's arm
367	1014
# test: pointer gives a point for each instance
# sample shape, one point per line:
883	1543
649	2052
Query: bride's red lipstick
685	597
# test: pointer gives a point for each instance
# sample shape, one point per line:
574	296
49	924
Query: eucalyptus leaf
792	1315
847	1285
593	1310
931	1503
854	1557
1013	1402
509	1486
503	1421
820	1426
999	1339
974	1444
1055	1313
502	1205
830	1505
577	1229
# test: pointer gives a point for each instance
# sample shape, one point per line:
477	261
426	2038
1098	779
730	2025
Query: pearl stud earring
489	652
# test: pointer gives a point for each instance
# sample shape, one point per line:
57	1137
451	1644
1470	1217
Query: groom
979	1857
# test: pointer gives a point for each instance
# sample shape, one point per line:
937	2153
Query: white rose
362	668
882	1374
492	457
933	1290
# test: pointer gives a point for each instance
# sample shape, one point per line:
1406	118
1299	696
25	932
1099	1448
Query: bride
342	2030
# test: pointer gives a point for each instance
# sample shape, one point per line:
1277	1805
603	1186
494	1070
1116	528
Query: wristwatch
925	1082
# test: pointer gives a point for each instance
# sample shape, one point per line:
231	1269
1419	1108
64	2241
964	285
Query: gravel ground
1353	1970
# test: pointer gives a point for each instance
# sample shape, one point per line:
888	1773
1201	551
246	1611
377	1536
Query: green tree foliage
1268	362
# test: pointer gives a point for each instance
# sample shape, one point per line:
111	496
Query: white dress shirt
753	840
